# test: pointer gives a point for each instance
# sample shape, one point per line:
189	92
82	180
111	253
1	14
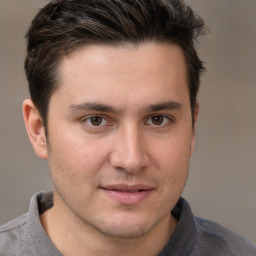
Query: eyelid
170	119
104	118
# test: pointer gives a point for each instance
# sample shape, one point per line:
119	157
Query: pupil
157	120
96	120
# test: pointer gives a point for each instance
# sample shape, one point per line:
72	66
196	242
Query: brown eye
96	120
157	120
96	123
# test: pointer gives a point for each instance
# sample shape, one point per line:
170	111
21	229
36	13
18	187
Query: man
113	105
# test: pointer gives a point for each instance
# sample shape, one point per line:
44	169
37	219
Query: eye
96	121
158	120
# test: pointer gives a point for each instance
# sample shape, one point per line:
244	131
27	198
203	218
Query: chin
125	231
125	227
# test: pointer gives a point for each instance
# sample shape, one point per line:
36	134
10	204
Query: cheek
74	160
173	162
174	152
75	148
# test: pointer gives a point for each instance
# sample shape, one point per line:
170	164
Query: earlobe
35	128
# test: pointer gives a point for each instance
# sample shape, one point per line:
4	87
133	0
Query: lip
126	194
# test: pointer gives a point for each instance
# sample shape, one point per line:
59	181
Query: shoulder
13	227
199	236
25	235
212	236
13	234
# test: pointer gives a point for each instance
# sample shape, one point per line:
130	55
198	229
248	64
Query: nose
129	150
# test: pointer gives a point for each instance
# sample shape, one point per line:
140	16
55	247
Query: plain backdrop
222	180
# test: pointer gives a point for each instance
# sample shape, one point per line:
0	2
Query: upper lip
124	187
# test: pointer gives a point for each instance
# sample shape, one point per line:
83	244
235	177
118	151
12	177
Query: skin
121	116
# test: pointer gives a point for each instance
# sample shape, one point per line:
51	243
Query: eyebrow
92	107
170	105
89	106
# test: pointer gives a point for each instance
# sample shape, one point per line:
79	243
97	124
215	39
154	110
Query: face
120	136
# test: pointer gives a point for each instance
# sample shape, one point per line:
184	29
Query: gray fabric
25	235
193	236
199	237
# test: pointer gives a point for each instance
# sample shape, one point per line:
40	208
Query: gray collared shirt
193	236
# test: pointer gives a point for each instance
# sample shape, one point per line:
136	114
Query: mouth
126	194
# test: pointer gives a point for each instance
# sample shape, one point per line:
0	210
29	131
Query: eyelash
89	119
166	121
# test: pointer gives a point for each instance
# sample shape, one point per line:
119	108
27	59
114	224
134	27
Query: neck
73	237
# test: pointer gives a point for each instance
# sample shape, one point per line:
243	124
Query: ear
194	136
35	128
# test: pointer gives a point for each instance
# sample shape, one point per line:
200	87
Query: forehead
107	72
124	57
